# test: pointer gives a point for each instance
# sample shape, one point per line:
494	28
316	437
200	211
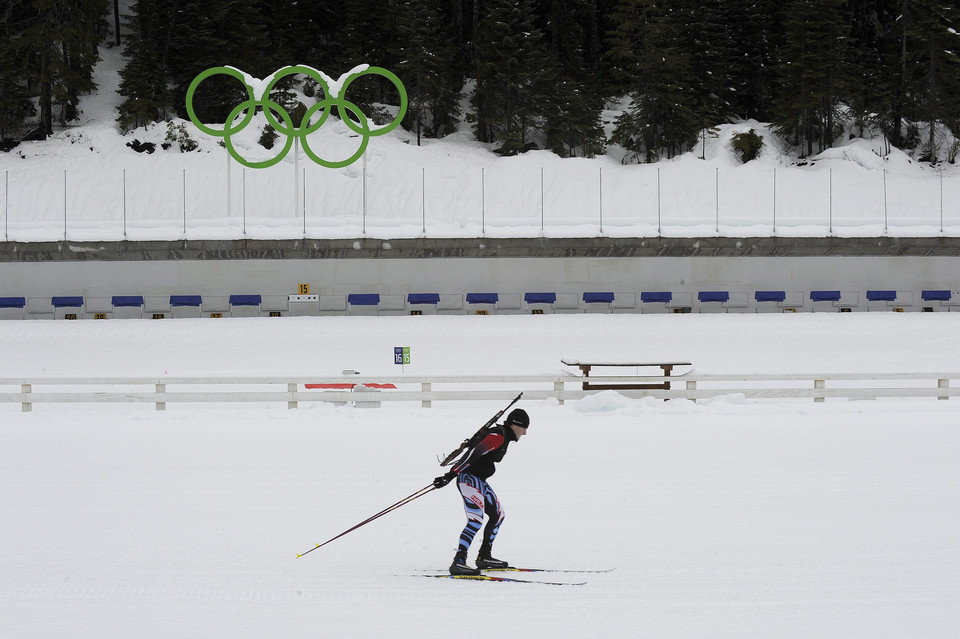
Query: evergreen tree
62	37
813	72
515	76
870	90
664	116
216	33
572	111
933	52
754	36
425	64
15	104
145	77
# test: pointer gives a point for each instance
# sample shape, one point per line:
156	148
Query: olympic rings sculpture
333	91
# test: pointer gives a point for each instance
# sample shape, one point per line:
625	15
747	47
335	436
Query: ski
505	580
557	570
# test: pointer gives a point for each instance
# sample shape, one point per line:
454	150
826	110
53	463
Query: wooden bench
586	367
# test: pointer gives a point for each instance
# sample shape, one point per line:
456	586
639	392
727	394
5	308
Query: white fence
389	198
292	391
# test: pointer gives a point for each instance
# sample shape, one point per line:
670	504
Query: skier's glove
443	480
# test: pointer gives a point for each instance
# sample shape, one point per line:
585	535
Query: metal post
659	226
296	176
885	201
774	200
541	200
6	205
717	197
941	201
423	200
831	202
243	199
600	185
124	204
161	390
27	405
943	383
64	205
229	205
483	203
183	184
819	384
363	195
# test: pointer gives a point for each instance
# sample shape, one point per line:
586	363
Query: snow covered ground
721	519
86	183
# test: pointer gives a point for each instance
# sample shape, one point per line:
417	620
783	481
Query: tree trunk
46	106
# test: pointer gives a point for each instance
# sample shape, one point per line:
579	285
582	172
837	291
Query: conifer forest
525	74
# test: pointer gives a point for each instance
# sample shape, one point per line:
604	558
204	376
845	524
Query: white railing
28	391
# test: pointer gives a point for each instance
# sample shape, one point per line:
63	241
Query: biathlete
472	471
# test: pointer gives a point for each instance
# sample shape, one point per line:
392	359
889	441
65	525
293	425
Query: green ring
339	164
389	75
269	107
226	127
265	163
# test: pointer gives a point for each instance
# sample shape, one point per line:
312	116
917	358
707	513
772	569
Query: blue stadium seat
716	301
943	297
423	303
363	303
538	303
13	307
127	300
482	303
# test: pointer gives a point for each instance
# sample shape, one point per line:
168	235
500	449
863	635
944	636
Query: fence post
600	188
483	203
291	388
659	221
161	390
830	201
819	384
26	406
426	387
885	219
943	383
541	203
558	389
716	195
692	386
774	200
941	201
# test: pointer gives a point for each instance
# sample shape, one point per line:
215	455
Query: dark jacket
480	460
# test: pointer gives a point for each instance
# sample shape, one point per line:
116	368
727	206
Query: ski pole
403	502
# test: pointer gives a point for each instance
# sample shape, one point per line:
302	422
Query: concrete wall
467	274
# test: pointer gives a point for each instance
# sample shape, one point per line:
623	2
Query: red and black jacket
480	460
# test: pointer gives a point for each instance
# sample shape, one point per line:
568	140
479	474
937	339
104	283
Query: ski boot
459	566
485	561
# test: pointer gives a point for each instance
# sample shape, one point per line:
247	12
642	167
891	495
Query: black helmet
518	417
